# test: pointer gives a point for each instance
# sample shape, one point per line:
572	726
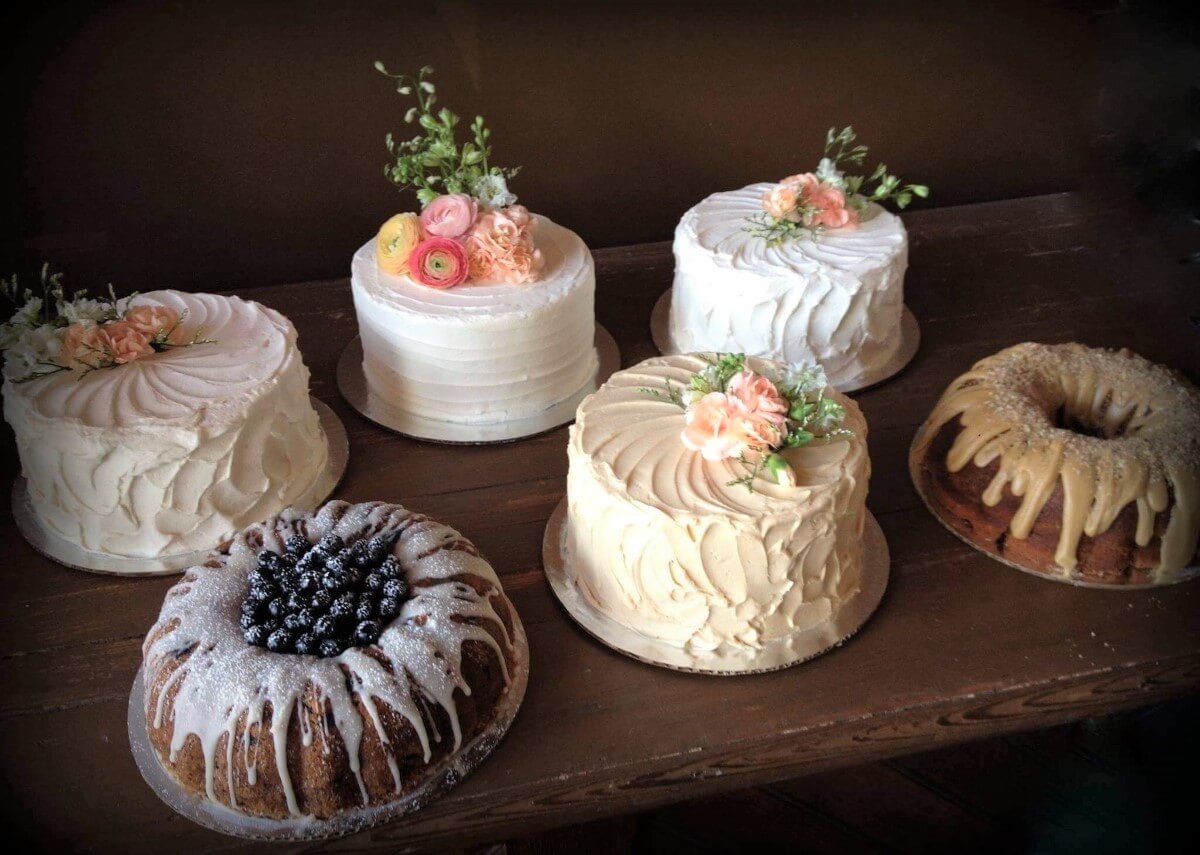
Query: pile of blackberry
319	600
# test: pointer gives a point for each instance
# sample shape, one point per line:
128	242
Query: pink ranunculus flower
122	342
439	262
79	347
716	427
449	216
153	320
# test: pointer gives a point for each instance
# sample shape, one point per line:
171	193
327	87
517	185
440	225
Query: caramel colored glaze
1111	500
1111	557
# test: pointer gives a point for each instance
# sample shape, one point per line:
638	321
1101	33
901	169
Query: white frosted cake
175	450
684	545
834	297
483	351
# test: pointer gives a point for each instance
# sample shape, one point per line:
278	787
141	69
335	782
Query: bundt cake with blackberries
323	662
1078	463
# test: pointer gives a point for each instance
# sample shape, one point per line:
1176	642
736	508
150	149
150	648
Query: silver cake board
774	656
352	383
1065	577
441	777
910	342
54	546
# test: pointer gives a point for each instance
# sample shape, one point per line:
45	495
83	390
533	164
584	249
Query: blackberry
257	578
325	627
358	553
256	635
263	593
297	545
389	607
249	606
334	581
339	563
279	641
366	632
374	581
331	543
247	620
321	601
390	568
343	606
377	549
329	647
292	622
296	601
397	588
306	583
306	618
365	610
306	644
277	608
311	561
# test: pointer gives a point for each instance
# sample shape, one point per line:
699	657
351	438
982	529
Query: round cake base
57	548
775	656
1065	577
443	776
910	342
352	383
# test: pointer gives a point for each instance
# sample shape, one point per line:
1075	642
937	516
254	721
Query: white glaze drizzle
225	680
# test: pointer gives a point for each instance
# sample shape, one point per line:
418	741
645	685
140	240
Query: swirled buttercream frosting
177	450
836	299
480	352
665	543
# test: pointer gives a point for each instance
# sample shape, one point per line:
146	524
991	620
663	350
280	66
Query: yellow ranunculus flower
395	242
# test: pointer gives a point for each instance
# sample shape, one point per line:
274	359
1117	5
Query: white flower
34	348
492	191
690	396
84	310
828	172
806	377
30	314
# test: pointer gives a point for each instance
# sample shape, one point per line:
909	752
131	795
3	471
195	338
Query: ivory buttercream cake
167	451
719	514
808	269
473	311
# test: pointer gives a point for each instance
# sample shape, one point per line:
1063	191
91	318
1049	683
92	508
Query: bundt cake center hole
1086	423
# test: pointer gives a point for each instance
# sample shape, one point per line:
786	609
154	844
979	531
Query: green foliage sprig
432	162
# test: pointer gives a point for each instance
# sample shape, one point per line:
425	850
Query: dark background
225	145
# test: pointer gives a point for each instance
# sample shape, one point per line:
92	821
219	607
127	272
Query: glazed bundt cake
322	662
1078	463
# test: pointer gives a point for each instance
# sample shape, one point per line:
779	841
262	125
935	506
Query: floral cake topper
732	412
53	333
470	227
807	204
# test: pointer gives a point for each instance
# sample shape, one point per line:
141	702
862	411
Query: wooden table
961	648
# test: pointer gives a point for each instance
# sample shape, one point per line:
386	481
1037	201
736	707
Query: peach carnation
79	347
501	247
155	320
716	427
122	342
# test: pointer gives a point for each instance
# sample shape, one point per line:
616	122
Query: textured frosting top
189	385
633	438
567	262
719	225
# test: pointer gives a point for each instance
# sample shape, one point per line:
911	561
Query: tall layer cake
473	311
682	524
169	451
483	351
835	299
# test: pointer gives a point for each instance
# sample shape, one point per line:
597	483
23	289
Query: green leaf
919	190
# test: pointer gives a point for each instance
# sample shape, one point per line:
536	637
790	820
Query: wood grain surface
961	648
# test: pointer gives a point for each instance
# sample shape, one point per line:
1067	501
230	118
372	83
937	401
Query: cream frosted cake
717	503
809	269
159	425
474	311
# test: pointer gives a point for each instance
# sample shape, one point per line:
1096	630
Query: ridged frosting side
1148	454
836	300
662	542
480	352
178	450
417	661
